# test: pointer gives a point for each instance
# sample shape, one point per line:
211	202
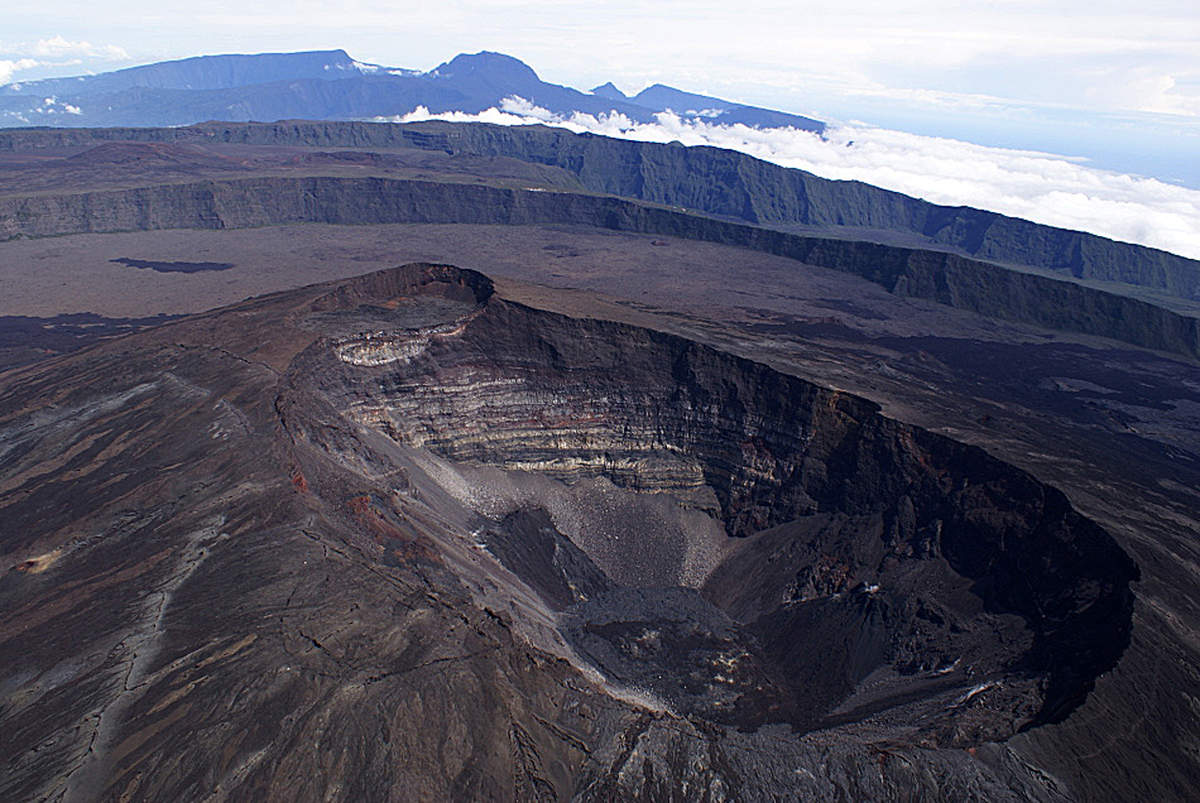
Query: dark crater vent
743	545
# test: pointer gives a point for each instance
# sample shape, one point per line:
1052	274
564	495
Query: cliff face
932	275
398	537
708	180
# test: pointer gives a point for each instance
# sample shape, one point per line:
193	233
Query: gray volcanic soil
78	273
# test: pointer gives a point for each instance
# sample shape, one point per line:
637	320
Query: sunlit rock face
829	564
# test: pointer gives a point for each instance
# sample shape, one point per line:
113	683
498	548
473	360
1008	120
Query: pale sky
1112	80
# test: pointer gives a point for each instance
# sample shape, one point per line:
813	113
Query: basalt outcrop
401	537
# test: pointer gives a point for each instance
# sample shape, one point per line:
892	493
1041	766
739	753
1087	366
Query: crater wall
839	499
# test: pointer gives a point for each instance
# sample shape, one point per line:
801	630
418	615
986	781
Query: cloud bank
53	53
1042	187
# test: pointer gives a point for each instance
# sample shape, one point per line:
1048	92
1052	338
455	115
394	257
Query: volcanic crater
729	542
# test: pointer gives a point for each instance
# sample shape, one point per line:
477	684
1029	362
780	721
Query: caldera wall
710	180
937	276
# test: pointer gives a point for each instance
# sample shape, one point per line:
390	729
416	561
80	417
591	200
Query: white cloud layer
1042	187
59	48
55	53
10	66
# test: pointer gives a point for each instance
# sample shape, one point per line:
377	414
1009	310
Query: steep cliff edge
710	180
934	275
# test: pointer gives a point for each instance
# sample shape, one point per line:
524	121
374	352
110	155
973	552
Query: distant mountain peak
497	66
663	96
610	91
336	57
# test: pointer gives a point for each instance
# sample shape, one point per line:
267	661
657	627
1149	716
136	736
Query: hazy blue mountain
203	72
484	79
609	91
329	85
687	104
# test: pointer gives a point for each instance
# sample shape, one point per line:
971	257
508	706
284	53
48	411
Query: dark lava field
347	461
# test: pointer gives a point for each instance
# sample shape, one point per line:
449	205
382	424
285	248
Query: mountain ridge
277	85
224	71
